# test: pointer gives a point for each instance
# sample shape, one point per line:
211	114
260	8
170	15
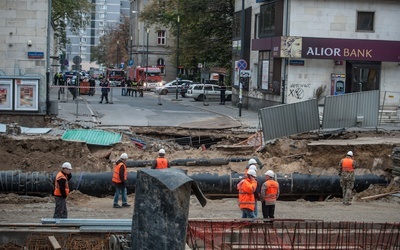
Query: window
101	24
265	70
83	39
365	21
161	37
236	25
267	20
161	65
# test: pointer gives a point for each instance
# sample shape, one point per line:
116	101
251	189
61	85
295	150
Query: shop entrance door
362	76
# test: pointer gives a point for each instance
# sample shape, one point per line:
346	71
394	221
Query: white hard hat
350	153
252	161
252	172
270	173
67	165
124	156
161	152
253	167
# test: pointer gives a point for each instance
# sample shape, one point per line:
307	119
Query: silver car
201	92
171	87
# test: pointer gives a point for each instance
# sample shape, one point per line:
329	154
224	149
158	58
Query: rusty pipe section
99	184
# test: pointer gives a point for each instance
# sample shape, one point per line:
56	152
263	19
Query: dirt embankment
308	153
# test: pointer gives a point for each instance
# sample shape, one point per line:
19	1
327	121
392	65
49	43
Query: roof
94	137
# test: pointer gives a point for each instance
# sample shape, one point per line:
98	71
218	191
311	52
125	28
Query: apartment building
295	50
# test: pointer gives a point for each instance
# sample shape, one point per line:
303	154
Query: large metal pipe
194	162
99	184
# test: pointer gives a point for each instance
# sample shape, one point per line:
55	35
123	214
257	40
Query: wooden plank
54	242
377	196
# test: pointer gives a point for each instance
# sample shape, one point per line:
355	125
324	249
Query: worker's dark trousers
61	208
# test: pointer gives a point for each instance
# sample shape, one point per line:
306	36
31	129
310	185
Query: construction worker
246	188
346	173
161	162
119	179
252	162
269	195
61	190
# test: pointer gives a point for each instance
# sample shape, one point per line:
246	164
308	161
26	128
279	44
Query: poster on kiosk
338	84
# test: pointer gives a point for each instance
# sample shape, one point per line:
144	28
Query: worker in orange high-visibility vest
61	190
269	195
246	188
347	178
160	162
119	179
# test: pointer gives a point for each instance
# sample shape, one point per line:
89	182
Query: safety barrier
284	234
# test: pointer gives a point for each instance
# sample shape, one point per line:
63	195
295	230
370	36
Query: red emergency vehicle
150	76
115	76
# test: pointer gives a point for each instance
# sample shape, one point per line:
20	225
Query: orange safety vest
57	191
272	190
117	168
161	163
246	190
347	165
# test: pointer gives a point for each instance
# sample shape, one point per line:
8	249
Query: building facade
26	56
296	50
148	44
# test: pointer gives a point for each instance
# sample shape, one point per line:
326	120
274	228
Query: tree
205	29
115	41
74	13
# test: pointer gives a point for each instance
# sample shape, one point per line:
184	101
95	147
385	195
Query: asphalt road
151	110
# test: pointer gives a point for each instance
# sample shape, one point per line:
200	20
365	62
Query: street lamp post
177	54
147	55
117	66
133	35
242	27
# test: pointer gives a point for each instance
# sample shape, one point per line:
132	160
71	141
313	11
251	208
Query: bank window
161	37
267	20
265	71
365	21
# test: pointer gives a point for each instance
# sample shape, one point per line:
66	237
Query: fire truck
115	76
150	76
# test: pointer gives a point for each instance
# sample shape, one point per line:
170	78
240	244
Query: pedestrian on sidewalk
123	87
161	162
129	86
269	195
119	179
72	87
61	191
92	84
105	88
134	87
347	178
222	94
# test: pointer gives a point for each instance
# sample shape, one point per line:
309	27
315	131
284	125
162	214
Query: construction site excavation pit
294	159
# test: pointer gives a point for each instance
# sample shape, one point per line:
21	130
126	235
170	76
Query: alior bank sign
349	49
328	48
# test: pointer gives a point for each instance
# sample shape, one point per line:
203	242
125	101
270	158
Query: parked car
185	86
170	87
202	92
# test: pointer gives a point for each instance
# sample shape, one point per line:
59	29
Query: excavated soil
307	153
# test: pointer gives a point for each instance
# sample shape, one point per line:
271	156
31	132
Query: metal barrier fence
259	234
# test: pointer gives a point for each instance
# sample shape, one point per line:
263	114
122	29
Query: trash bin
53	110
85	89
